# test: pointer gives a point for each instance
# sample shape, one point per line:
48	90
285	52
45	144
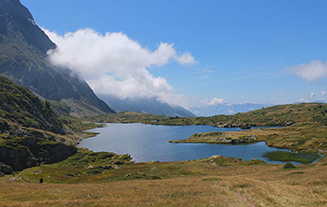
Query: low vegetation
301	157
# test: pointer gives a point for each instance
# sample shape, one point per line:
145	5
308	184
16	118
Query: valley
46	110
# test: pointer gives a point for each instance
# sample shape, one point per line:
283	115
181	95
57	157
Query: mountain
145	105
23	58
226	109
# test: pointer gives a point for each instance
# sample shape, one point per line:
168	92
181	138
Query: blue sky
244	51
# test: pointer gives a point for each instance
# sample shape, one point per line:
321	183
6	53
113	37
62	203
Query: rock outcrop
29	152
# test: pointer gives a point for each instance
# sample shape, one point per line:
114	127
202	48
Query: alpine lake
151	143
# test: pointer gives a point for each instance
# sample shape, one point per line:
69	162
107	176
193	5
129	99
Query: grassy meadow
215	181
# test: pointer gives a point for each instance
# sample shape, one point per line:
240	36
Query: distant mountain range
23	58
226	109
145	105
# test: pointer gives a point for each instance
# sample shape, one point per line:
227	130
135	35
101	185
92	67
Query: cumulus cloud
312	95
216	101
323	93
310	72
114	64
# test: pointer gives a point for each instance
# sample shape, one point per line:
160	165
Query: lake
151	143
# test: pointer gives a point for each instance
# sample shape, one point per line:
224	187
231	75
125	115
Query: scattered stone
128	175
6	169
215	157
118	162
106	167
15	178
290	123
245	126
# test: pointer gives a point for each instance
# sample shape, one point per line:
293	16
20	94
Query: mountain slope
145	105
23	58
20	106
30	132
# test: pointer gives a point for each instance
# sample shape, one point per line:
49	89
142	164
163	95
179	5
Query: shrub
288	165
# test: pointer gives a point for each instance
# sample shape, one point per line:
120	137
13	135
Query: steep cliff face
23	58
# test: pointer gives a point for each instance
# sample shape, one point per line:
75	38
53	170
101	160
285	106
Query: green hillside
280	115
22	107
30	132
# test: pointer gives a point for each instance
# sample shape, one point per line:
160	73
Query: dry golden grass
209	185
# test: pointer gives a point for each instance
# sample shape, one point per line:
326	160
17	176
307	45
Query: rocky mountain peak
16	20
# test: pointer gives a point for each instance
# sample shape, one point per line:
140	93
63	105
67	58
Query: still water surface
151	143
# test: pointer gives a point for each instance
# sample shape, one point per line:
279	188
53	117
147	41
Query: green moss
254	162
301	157
288	165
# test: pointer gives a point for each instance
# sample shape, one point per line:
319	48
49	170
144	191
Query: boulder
245	126
5	169
290	123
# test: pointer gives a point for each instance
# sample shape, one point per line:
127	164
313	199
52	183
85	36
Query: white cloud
310	72
312	95
281	95
185	59
323	93
114	64
216	101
